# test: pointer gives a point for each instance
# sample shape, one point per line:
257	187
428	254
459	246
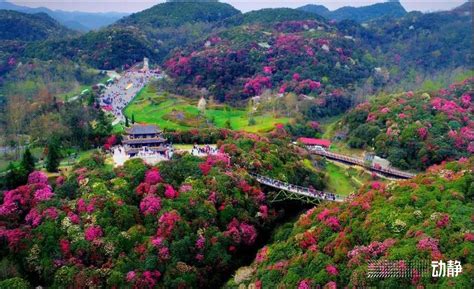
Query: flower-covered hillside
416	130
430	217
305	57
186	223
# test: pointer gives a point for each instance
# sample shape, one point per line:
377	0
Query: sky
243	5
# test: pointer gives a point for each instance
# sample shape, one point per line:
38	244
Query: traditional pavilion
145	138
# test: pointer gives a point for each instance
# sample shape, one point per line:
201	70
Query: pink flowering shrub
33	217
167	222
112	140
262	255
241	232
51	213
43	194
332	270
14	238
256	85
170	192
92	233
131	276
304	284
153	177
430	245
150	205
333	223
37	177
200	242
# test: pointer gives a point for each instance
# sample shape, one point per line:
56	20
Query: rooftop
143	129
314	141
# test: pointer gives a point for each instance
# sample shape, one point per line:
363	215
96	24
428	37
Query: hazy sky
243	5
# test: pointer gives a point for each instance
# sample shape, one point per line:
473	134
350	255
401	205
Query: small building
381	162
315	142
141	138
372	160
202	105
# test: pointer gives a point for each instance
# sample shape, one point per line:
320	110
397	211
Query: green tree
133	118
53	157
227	124
28	161
252	121
16	176
126	122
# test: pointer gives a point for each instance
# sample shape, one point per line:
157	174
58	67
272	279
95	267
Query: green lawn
341	181
147	107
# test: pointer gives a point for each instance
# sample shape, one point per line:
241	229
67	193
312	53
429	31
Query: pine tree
227	124
133	119
28	161
53	158
16	176
126	122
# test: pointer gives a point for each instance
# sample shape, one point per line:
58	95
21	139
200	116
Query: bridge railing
360	162
297	189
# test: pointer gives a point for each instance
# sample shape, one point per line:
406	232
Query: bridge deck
303	191
360	162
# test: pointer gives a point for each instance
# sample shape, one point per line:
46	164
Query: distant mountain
271	15
151	33
464	9
174	13
359	14
81	21
30	27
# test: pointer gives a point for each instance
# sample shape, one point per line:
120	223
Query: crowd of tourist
297	189
120	93
203	150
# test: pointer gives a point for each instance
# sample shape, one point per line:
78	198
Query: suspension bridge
294	192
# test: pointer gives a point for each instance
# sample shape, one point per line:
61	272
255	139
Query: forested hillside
390	9
250	56
150	33
186	223
75	20
30	27
427	218
302	56
421	44
416	130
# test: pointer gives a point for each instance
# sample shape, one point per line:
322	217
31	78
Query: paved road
119	94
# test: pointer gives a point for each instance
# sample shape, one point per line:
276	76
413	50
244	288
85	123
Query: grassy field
343	180
173	112
330	127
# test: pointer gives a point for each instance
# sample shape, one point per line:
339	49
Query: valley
195	145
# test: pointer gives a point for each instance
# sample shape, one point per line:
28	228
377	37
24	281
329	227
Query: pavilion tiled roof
143	129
